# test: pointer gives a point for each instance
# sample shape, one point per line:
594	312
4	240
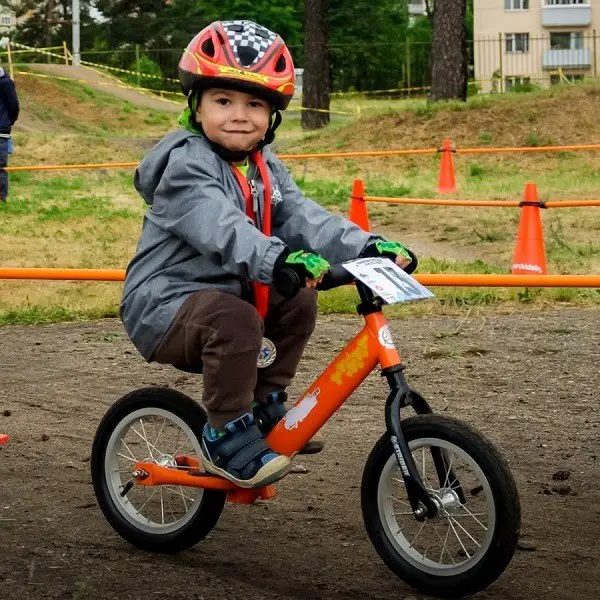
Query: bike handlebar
337	276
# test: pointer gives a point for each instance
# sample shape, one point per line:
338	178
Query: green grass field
93	218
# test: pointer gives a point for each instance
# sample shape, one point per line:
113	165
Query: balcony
566	15
417	7
567	58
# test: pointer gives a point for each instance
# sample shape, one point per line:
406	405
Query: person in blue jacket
9	112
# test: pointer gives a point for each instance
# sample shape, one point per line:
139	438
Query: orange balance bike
438	500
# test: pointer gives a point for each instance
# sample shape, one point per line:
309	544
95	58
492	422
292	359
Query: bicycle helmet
239	55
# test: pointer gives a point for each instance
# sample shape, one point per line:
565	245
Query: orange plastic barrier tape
432	279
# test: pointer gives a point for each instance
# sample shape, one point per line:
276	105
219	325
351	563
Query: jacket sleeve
11	100
192	204
305	225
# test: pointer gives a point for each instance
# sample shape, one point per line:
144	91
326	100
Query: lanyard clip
254	192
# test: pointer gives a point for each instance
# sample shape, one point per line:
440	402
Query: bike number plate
387	280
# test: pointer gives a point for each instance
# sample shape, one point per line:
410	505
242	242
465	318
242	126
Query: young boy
225	242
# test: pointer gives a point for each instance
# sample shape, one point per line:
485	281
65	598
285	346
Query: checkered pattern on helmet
251	35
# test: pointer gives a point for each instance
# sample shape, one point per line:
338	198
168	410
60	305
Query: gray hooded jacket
196	234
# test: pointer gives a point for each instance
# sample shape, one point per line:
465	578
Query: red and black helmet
239	55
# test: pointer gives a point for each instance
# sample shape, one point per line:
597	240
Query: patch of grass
476	170
36	315
485	137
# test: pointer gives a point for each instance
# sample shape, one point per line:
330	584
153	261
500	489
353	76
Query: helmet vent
281	64
208	47
246	55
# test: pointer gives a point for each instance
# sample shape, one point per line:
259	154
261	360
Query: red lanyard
261	291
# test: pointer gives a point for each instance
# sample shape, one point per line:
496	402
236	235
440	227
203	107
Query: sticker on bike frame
267	354
384	335
300	411
387	280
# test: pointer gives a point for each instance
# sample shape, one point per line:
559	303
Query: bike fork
401	396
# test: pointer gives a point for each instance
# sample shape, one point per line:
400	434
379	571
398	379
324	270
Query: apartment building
538	41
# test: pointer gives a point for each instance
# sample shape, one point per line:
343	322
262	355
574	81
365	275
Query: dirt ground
528	380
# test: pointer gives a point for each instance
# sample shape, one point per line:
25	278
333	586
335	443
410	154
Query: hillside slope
559	115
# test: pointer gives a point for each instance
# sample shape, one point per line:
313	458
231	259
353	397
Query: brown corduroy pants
222	333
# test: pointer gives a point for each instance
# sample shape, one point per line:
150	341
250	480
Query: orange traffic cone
447	182
530	254
358	207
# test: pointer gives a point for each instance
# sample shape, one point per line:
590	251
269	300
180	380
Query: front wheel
162	426
471	540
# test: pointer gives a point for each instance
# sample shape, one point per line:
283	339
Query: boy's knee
241	325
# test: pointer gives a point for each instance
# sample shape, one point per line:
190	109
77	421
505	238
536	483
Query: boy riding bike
230	248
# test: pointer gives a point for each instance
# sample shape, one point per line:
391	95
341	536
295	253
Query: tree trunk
449	51
315	83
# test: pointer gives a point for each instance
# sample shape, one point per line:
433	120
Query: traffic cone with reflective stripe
358	207
447	181
530	253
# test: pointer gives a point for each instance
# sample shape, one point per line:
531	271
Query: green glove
388	250
306	264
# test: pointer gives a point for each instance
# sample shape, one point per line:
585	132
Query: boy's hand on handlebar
294	270
392	250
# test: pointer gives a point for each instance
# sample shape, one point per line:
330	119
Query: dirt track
529	381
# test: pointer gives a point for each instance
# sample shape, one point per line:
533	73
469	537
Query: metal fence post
500	69
595	57
137	65
408	82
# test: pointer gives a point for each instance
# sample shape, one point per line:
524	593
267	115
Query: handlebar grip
414	262
287	283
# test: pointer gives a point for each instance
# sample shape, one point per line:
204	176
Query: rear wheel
471	540
157	425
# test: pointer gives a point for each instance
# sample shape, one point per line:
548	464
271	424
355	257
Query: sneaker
271	411
241	455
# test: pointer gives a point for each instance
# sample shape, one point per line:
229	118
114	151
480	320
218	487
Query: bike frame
372	346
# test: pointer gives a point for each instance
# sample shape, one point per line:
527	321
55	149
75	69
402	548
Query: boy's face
235	120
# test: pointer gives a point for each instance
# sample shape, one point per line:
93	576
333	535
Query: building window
6	21
564	2
516	4
517	42
512	82
566	40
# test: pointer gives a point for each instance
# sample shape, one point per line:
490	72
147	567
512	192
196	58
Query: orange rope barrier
440	202
357	154
501	203
528	149
63	274
571	203
432	279
64	167
366	153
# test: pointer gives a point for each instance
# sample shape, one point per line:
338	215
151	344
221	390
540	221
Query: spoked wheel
471	540
162	426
